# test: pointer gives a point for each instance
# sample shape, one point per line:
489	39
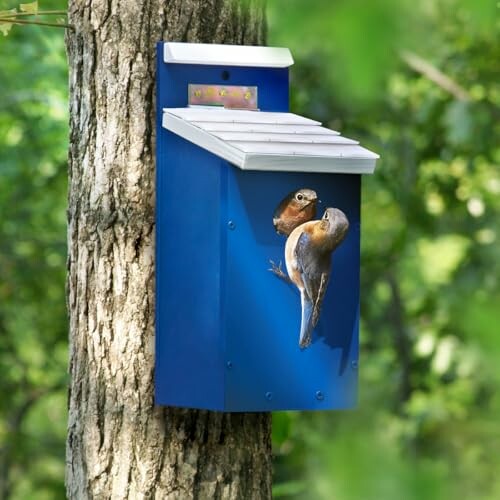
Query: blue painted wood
189	358
262	313
226	328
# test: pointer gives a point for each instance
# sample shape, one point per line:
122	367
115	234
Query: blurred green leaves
439	258
29	14
361	42
33	329
353	37
427	422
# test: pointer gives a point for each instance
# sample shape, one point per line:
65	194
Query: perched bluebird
308	253
295	209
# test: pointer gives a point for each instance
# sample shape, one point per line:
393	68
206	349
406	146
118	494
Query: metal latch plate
227	96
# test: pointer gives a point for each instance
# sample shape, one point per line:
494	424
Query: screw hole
225	75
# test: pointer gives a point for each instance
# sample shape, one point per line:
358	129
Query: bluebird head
305	197
335	224
295	209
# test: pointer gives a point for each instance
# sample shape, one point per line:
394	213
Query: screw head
354	364
229	365
320	396
269	396
231	225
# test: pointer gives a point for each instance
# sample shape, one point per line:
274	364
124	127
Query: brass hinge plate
226	96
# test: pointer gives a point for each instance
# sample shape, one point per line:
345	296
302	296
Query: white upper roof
226	55
258	140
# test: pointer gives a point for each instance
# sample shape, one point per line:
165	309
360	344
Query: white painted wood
272	137
311	164
204	139
227	55
263	128
292	149
239	116
249	149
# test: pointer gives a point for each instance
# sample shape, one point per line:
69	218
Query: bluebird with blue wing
308	253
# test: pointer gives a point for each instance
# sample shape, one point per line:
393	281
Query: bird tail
307	322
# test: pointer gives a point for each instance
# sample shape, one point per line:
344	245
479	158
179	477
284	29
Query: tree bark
119	444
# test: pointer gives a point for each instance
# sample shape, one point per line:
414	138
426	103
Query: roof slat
263	128
239	116
291	149
283	138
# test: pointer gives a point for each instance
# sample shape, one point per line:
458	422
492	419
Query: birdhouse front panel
268	368
258	238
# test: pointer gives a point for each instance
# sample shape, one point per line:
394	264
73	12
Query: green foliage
10	17
33	326
427	421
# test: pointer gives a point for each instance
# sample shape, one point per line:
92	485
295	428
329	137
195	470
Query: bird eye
300	197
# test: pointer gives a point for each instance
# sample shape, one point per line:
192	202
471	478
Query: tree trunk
119	444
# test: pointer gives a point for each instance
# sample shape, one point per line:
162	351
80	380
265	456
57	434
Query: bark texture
119	444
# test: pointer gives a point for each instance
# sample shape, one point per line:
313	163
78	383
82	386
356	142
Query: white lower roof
259	140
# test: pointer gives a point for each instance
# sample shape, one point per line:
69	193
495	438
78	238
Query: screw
320	396
354	364
269	396
229	365
231	225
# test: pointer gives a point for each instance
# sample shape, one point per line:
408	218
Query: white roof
227	55
258	140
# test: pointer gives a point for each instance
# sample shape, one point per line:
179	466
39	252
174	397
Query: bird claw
275	268
277	271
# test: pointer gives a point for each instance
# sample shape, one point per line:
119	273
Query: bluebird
308	253
295	209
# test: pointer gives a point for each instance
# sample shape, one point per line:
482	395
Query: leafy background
428	421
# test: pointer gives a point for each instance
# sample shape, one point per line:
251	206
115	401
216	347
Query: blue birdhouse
257	238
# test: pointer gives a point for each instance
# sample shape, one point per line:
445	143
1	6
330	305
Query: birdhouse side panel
190	247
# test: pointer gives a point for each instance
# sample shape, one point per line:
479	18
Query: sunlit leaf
444	355
32	7
4	26
439	258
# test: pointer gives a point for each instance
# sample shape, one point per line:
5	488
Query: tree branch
402	342
426	69
10	16
40	23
